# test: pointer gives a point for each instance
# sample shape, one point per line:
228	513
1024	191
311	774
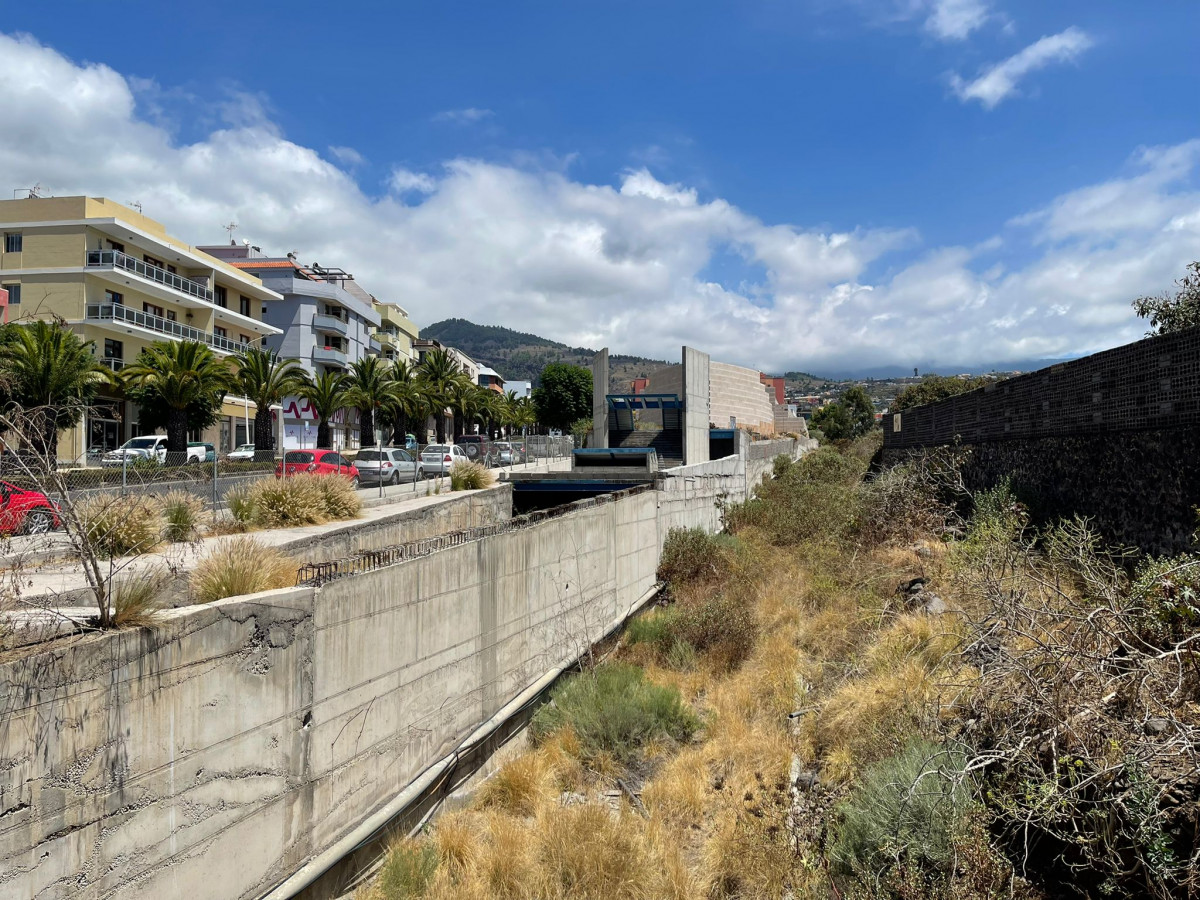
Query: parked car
151	447
26	512
316	462
520	454
477	447
504	453
437	459
210	452
391	465
410	443
242	453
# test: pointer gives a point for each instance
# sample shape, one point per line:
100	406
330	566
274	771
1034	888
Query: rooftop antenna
137	204
32	193
231	228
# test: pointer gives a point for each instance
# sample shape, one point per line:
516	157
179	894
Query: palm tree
52	374
326	395
464	401
177	375
407	400
266	379
370	391
491	410
436	372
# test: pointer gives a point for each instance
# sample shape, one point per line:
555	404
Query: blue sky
801	184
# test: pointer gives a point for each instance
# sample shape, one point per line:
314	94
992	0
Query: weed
340	499
240	565
137	599
288	502
470	476
408	870
181	511
690	555
240	501
121	525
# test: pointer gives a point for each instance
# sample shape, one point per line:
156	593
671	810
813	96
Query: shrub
900	504
470	476
240	502
240	565
137	599
181	511
613	710
1166	598
721	626
120	526
288	502
408	870
906	813
692	555
340	498
652	628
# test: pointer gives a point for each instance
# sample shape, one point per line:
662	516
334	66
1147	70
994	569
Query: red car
26	512
316	462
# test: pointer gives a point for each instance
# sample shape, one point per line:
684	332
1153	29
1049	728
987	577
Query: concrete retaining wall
737	392
214	754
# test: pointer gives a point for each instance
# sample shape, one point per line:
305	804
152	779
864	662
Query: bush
692	555
901	505
1166	599
340	498
613	710
240	565
240	502
408	870
120	526
470	476
722	627
905	814
137	599
288	502
181	511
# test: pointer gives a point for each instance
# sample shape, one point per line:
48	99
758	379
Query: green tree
1169	312
327	394
181	382
436	373
266	379
52	375
369	389
563	395
933	388
851	416
405	402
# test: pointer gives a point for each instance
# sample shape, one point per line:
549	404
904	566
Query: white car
243	453
391	465
150	447
439	459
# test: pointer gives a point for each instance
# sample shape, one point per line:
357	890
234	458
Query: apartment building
491	379
396	332
323	318
118	279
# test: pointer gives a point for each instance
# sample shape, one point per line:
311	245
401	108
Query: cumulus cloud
625	264
954	20
347	156
1003	79
467	116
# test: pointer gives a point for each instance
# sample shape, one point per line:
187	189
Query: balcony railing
332	324
116	259
117	313
113	362
330	356
374	346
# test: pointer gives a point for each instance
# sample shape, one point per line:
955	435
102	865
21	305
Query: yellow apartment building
396	332
119	280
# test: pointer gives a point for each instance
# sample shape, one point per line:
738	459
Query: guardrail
118	260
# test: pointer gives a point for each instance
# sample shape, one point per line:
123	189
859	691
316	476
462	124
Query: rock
933	605
807	780
1156	725
915	586
570	798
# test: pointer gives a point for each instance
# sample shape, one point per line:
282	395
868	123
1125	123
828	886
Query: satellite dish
246	242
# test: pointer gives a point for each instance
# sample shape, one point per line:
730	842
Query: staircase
668	444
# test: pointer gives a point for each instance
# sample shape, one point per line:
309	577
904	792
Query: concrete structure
740	399
600	399
326	322
118	279
697	408
520	388
238	749
490	378
396	332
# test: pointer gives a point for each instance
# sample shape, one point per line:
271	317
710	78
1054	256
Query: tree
465	401
52	373
563	396
933	388
406	400
436	373
852	416
326	395
1170	313
184	382
266	379
369	389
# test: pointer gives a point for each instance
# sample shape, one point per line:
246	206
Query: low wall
215	754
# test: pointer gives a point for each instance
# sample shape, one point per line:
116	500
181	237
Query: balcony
373	346
119	314
330	325
114	259
112	362
329	356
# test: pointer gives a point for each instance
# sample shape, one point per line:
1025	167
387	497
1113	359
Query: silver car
439	459
391	465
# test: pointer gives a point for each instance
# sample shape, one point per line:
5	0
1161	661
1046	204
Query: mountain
520	356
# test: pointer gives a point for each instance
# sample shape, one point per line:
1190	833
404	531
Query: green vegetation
179	385
181	512
850	417
564	395
408	870
298	500
470	476
1172	312
933	388
266	379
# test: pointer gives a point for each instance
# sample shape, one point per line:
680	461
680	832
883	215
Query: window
152	309
244	305
115	245
114	298
14	293
171	269
151	261
335	312
244	338
171	316
12	242
113	349
220	332
221	297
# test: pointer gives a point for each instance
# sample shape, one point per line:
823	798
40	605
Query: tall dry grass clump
138	598
340	499
288	502
470	476
181	512
121	525
240	565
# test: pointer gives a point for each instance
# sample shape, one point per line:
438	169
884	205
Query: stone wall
738	392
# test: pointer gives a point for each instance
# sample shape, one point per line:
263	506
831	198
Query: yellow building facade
396	332
118	279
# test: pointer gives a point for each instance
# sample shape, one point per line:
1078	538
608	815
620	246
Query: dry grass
181	512
137	599
121	525
241	565
288	502
470	476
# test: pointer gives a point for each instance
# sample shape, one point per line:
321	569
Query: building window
244	338
151	261
221	297
114	298
116	245
14	293
152	309
171	316
113	349
220	332
244	305
12	242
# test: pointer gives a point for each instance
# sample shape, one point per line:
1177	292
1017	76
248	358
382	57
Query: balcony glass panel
115	313
118	260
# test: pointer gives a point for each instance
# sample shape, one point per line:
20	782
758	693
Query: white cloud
954	20
623	264
1001	80
347	156
467	116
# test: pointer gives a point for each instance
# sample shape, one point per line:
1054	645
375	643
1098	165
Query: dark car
477	447
26	512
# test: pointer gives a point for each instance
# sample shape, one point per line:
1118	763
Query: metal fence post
214	499
124	467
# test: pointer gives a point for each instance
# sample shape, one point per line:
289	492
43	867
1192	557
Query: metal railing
329	355
113	362
119	313
118	260
331	324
